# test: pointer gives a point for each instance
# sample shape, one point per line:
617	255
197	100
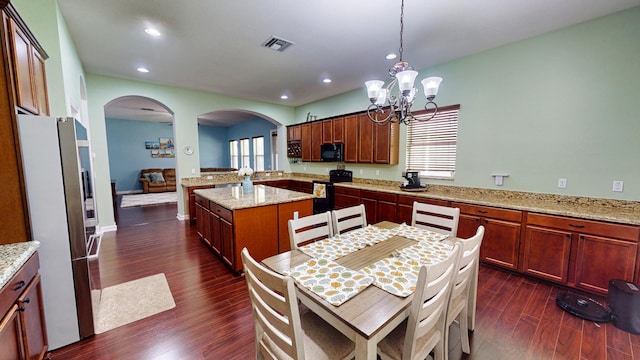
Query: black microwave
332	152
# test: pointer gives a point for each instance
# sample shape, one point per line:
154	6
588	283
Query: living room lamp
399	106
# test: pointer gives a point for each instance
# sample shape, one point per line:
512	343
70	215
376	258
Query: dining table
372	313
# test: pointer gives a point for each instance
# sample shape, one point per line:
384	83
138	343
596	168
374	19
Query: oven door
323	201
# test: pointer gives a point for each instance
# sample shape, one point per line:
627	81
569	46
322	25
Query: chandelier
396	108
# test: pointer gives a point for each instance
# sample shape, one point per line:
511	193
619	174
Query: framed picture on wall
166	143
169	154
151	145
155	153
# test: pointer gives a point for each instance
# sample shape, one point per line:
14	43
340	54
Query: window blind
431	145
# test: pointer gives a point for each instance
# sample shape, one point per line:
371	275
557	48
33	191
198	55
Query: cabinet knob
27	300
20	285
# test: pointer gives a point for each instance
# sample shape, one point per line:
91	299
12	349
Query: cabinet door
501	242
338	130
316	140
226	231
22	58
546	253
601	259
351	139
10	338
365	139
32	320
199	224
383	152
342	201
40	84
327	132
371	208
468	225
216	233
386	211
305	131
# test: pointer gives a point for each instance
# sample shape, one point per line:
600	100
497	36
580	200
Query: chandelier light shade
387	106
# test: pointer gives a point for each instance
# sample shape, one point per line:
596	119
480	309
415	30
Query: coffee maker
413	180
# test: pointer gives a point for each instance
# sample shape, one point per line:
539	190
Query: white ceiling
215	45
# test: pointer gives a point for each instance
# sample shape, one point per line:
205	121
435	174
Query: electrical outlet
361	171
295	215
193	171
377	172
562	183
618	185
209	177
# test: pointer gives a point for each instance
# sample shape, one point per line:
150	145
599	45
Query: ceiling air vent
277	44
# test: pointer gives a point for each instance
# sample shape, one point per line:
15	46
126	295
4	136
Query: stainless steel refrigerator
55	173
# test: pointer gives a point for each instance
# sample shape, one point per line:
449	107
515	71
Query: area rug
132	301
148	199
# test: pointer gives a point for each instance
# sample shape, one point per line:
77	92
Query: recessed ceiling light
143	70
284	97
152	31
326	80
391	56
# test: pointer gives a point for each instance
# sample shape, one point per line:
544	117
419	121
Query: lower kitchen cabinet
345	197
262	229
193	214
501	242
579	253
23	333
380	206
404	211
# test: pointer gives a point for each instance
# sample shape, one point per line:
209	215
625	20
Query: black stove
326	203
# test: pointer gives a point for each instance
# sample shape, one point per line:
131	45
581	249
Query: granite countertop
618	211
12	257
233	198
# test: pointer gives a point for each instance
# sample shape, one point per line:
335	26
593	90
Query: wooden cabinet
338	129
20	85
233	230
580	253
365	139
193	214
345	197
501	242
294	138
327	132
380	206
404	210
29	71
22	329
305	142
351	139
316	140
294	133
386	143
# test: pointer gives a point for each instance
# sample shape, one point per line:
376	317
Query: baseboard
182	217
126	192
109	228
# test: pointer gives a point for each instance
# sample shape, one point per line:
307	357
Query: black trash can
624	302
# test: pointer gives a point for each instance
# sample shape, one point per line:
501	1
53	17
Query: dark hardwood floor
517	317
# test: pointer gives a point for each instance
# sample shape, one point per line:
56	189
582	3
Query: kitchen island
228	220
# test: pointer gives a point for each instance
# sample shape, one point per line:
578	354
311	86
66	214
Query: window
431	145
258	153
233	152
245	156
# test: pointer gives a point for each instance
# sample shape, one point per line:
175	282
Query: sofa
158	180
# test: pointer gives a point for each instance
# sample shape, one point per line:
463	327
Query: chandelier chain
401	28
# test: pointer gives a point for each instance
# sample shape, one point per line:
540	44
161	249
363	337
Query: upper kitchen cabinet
351	139
338	129
28	70
22	90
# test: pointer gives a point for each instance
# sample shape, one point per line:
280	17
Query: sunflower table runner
333	282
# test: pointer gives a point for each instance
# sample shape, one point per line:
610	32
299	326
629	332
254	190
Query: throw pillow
157	177
146	176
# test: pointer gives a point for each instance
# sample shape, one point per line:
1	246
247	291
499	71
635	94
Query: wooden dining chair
465	279
424	330
281	331
442	219
351	218
310	228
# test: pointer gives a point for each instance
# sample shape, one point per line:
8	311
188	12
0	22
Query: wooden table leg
366	350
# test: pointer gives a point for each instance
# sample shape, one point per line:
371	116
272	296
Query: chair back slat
347	219
437	218
310	228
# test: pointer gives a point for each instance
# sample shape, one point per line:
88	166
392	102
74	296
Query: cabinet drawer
16	285
222	212
490	212
202	201
347	191
624	232
378	195
408	200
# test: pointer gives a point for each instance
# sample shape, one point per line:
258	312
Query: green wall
564	104
561	105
